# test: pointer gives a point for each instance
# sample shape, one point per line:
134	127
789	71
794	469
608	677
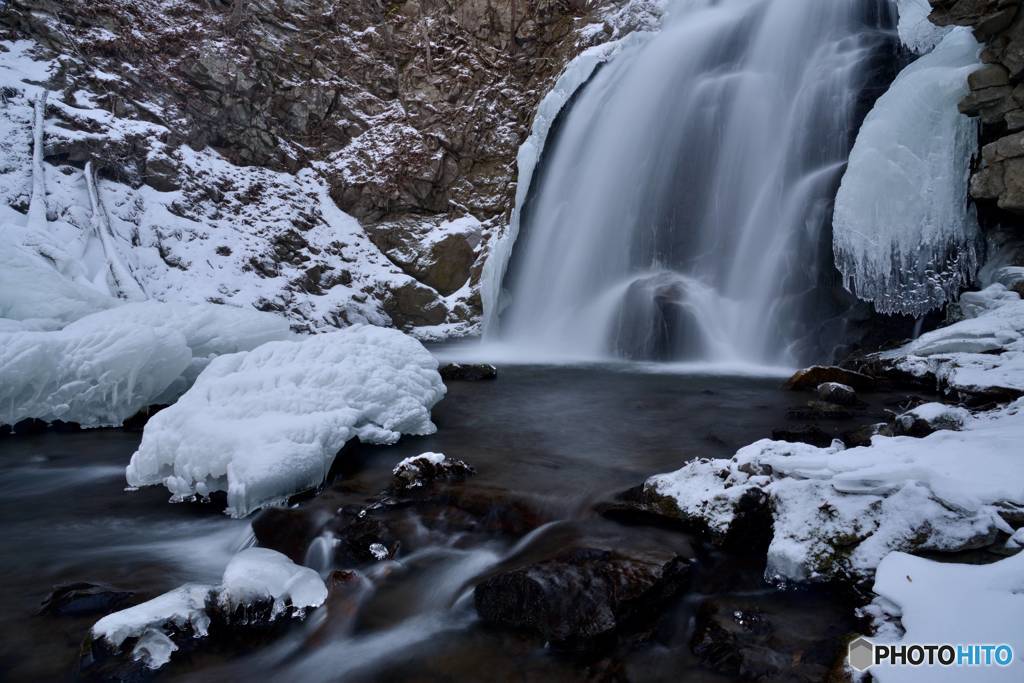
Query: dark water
558	438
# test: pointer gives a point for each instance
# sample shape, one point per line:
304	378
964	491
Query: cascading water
682	210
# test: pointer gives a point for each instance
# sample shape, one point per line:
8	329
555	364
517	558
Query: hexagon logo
861	654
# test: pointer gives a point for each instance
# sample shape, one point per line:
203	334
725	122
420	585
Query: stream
548	442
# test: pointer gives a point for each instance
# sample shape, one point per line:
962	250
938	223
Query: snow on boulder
837	512
259	574
922	601
95	375
259	587
917	33
148	624
981	355
265	424
904	235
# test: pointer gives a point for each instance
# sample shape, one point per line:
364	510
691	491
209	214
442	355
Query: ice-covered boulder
905	237
837	512
266	424
917	33
106	366
259	587
95	375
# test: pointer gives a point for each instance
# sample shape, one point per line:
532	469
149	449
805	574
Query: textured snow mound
838	512
265	424
983	353
917	33
105	367
904	235
95	375
937	602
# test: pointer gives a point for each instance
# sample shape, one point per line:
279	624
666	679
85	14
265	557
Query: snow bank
917	33
253	577
95	375
904	235
105	367
951	603
266	424
980	354
837	512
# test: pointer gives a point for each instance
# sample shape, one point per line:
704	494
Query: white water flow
681	209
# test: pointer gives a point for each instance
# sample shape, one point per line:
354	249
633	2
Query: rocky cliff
229	133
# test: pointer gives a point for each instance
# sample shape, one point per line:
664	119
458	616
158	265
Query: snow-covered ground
266	424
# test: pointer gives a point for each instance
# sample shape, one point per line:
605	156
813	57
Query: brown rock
808	379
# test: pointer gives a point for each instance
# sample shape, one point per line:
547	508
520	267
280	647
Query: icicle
37	204
127	287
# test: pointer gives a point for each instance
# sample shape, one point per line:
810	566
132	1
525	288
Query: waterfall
681	210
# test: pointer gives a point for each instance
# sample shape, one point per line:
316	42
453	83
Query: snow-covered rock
419	470
937	602
183	608
983	354
268	423
255	579
837	512
905	237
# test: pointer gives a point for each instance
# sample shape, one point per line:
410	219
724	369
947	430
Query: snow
939	415
412	462
257	574
268	423
837	512
105	367
905	237
95	375
252	576
917	33
183	607
979	354
937	602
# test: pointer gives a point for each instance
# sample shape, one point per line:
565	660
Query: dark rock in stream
287	530
809	434
84	599
582	595
413	473
820	410
835	392
468	372
810	378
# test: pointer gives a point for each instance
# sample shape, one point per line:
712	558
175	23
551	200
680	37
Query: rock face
997	95
410	114
582	594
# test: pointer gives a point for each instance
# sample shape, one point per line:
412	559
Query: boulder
424	469
467	372
582	594
414	305
810	378
84	599
839	394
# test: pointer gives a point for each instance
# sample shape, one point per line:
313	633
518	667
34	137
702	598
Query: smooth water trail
680	210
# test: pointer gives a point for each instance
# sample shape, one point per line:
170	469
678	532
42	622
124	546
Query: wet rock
417	472
811	434
740	641
467	372
839	394
361	537
810	378
84	599
289	531
582	595
820	410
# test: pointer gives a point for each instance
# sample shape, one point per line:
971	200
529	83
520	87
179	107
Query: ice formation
253	576
984	353
837	512
266	424
905	237
917	33
106	366
937	602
